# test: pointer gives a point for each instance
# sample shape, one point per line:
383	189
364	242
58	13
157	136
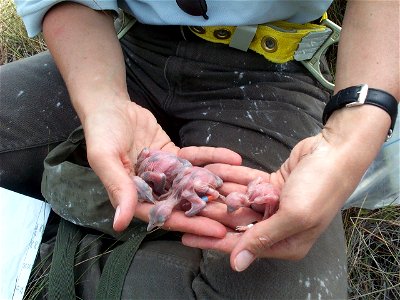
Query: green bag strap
114	272
61	283
61	276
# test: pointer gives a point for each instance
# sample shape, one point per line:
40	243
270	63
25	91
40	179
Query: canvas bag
77	195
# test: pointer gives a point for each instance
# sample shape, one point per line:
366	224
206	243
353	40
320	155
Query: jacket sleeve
32	12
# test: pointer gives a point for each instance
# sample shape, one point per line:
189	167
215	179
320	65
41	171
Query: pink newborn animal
258	193
193	184
144	191
158	169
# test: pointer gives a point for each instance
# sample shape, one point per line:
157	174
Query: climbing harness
279	42
313	64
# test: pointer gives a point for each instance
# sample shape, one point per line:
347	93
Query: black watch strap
359	95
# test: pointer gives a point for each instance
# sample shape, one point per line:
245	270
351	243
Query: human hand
315	181
113	146
115	133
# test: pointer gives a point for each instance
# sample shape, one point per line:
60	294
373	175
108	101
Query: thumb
120	188
263	240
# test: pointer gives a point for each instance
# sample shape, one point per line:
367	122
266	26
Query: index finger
206	155
237	174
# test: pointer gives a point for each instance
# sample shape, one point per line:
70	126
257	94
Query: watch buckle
389	134
362	96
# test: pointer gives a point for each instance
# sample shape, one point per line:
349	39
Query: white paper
22	222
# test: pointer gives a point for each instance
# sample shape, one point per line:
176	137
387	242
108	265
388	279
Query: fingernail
116	214
243	260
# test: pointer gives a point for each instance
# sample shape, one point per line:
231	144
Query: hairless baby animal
167	180
171	180
258	193
159	169
191	185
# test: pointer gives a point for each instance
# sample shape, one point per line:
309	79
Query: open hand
115	134
314	181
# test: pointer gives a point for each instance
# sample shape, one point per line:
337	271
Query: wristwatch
360	95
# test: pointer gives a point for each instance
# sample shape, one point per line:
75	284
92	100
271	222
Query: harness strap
113	275
61	276
126	28
313	64
61	283
278	42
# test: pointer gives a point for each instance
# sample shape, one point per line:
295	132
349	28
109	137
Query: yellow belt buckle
313	64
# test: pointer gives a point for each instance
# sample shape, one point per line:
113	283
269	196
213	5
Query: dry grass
373	252
373	237
14	43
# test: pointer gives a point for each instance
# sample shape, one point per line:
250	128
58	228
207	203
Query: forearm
368	53
87	52
369	46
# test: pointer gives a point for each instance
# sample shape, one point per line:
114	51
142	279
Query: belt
279	41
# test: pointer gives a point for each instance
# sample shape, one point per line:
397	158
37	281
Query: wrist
361	95
358	131
89	101
354	137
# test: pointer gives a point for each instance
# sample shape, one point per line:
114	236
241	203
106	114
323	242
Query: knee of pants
321	274
162	270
